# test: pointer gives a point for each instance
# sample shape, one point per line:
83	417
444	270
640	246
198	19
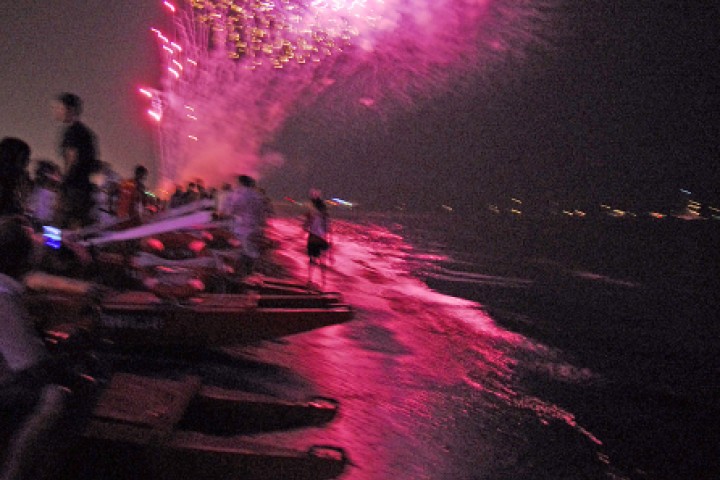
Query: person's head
16	245
67	107
14	157
141	173
314	193
246	181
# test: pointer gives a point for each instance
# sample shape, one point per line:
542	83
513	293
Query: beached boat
138	318
143	427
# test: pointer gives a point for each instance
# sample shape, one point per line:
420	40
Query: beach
502	352
550	371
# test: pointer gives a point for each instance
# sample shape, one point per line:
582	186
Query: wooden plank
157	404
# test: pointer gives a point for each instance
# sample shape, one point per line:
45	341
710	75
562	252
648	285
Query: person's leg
311	267
25	452
322	266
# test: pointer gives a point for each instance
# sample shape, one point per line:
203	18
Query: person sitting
30	404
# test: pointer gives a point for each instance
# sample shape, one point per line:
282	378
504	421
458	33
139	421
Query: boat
141	318
144	427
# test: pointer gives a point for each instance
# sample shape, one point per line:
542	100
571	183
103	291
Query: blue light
52	236
342	202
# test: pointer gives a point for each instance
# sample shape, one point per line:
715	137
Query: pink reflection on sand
411	364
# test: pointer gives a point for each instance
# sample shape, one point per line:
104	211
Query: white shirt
20	346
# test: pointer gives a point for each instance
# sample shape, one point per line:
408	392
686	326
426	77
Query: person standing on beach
246	207
78	150
317	226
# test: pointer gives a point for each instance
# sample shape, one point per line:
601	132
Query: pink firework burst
236	69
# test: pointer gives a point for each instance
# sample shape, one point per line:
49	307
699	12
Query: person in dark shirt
78	149
14	161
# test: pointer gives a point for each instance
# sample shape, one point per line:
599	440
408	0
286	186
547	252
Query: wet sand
551	373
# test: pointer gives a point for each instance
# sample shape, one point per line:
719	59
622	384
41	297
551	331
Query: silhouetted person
106	194
317	226
223	201
14	160
132	195
78	149
203	193
177	198
191	194
246	208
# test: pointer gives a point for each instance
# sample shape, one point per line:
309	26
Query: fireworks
276	32
236	69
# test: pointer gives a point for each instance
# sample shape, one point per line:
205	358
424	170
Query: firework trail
235	70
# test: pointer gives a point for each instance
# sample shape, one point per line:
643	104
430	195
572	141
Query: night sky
615	102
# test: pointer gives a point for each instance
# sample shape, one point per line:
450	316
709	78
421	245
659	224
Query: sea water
491	347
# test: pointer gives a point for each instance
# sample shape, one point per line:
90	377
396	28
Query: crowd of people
77	192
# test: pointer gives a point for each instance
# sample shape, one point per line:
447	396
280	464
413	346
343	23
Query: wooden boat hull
141	427
138	318
141	318
190	455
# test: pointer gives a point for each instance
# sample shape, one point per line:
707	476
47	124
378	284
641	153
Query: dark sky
620	101
100	50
